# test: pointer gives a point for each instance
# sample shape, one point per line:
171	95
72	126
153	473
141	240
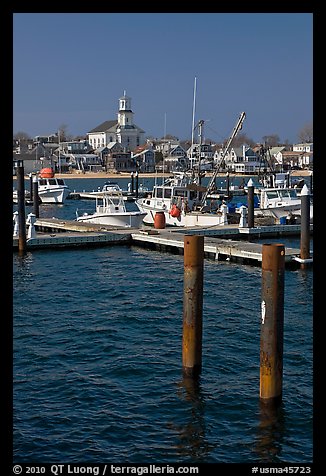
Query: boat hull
129	220
55	195
186	220
284	211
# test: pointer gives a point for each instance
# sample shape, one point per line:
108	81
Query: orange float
175	211
47	172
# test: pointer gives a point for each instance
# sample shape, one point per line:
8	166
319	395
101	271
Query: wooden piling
272	322
305	224
36	200
251	187
21	209
192	305
136	186
31	187
228	184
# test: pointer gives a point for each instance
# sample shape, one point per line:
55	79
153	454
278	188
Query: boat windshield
288	193
272	194
163	192
282	193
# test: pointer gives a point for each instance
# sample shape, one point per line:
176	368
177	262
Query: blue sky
71	68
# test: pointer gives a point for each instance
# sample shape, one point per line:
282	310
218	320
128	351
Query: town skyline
267	73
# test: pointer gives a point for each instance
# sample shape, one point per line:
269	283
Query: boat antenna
193	121
164	142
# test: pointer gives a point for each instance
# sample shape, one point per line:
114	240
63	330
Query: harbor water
97	359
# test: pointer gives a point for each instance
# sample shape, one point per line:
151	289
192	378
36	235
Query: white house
239	160
304	147
307	157
146	160
122	130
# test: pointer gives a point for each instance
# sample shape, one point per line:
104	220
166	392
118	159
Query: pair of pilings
21	206
272	315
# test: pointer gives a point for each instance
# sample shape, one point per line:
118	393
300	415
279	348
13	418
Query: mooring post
251	187
15	223
31	187
30	222
36	200
272	323
192	305
243	217
21	209
305	224
227	184
136	187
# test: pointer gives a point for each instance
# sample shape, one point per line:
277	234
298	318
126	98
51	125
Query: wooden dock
73	240
214	248
54	233
227	243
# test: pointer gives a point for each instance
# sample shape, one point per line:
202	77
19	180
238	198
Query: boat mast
59	158
164	142
235	131
200	135
193	123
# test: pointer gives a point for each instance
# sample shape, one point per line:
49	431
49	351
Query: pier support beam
251	187
31	187
192	305
136	187
36	198
272	322
21	209
305	225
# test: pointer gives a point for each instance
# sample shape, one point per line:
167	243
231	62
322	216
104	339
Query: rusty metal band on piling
192	304
272	323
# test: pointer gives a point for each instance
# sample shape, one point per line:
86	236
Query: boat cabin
278	197
51	181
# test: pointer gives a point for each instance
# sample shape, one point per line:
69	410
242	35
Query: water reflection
192	443
270	432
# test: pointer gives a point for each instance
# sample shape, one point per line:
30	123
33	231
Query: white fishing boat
180	199
50	188
280	202
128	195
279	197
110	209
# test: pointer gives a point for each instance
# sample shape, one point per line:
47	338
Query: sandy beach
104	175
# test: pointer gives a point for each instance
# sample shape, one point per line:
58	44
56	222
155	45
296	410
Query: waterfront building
122	130
239	160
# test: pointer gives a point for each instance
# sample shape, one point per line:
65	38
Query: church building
123	130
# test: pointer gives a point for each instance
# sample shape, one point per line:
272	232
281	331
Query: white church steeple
125	114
